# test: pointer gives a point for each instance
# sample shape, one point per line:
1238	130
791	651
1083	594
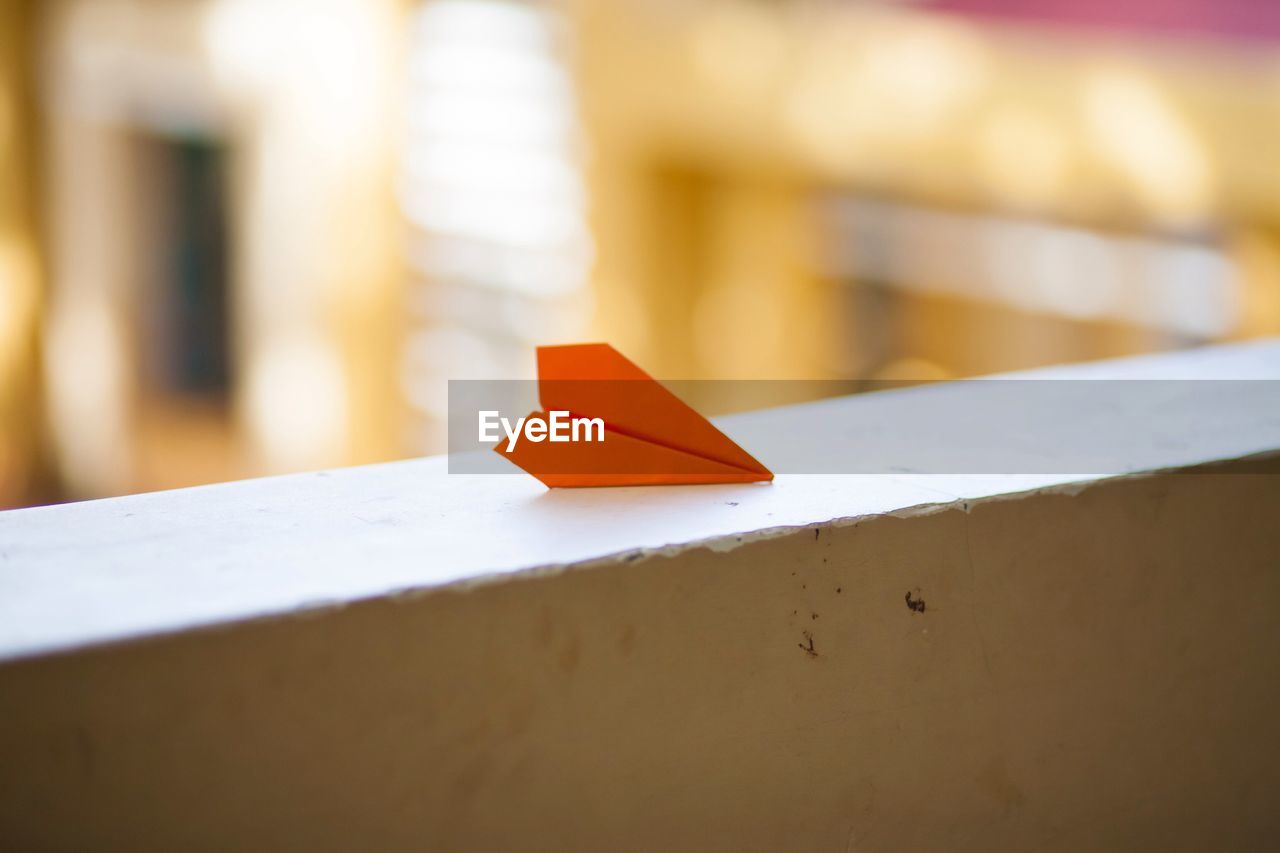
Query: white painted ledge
117	569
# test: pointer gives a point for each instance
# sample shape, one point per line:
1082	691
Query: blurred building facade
243	236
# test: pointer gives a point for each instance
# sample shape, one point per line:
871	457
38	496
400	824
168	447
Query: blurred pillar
1256	252
24	472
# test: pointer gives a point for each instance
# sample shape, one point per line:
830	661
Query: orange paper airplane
650	437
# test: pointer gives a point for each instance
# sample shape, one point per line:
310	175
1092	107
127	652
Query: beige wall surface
1093	668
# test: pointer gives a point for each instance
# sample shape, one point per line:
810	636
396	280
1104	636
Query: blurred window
493	193
188	312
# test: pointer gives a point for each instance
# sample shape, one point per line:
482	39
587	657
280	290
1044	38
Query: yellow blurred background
242	237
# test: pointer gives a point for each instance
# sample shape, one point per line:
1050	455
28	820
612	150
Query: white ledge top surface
108	570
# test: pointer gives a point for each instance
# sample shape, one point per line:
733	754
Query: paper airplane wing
651	436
